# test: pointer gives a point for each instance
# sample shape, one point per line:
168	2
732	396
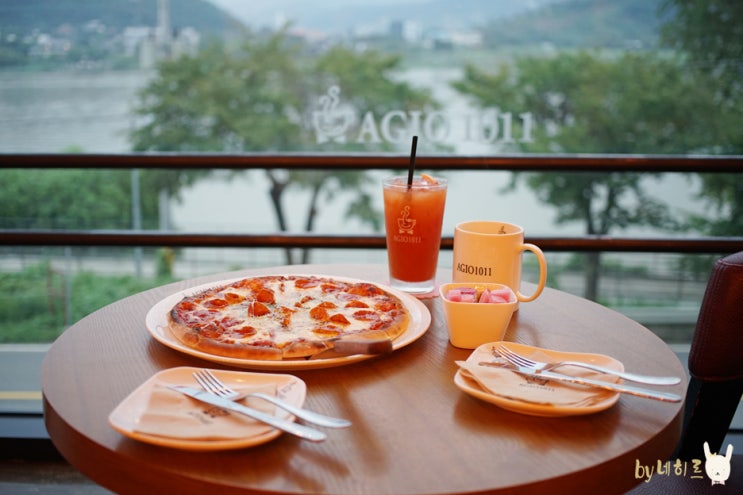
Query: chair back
715	361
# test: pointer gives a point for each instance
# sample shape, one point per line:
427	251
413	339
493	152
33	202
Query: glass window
227	76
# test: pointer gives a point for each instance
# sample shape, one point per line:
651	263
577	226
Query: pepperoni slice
265	296
233	298
195	318
367	290
340	319
306	283
186	306
319	313
254	284
356	304
256	308
210	331
215	303
228	322
368	315
326	331
242	332
385	306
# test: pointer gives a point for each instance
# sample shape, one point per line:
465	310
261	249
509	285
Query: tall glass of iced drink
413	217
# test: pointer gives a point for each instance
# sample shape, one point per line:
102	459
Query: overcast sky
259	12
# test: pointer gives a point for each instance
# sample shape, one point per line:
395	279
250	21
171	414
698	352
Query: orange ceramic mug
489	251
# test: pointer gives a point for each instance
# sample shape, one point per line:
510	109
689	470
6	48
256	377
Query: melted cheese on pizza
277	311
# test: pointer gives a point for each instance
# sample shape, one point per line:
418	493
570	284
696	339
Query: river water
92	112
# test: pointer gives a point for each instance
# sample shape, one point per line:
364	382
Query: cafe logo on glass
333	121
405	228
338	122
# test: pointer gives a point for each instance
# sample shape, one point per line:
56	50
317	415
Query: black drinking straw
411	168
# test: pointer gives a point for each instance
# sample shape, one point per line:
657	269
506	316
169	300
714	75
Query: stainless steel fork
214	385
519	360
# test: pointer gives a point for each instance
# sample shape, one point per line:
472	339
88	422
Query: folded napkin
511	385
171	414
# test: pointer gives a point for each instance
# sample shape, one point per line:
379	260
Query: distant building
154	44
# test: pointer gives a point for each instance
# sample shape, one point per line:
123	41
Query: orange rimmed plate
123	418
485	353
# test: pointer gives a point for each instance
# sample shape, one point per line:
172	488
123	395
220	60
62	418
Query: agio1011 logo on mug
489	251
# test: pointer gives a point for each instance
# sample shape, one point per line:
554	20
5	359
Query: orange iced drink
413	218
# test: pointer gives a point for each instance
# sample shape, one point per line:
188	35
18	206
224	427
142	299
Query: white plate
157	325
289	388
484	353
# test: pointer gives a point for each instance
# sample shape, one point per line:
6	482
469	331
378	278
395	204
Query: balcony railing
302	161
32	427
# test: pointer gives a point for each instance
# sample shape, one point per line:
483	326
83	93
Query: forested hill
23	16
581	23
562	23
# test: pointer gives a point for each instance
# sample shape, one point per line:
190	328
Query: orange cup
413	217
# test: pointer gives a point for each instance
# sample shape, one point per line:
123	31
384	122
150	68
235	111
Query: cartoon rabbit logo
717	466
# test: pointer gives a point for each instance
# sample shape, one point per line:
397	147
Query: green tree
84	199
66	199
709	33
254	98
591	103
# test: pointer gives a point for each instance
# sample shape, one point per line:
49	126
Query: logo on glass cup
406	228
405	224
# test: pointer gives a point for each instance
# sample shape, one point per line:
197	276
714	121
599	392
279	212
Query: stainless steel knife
615	387
282	424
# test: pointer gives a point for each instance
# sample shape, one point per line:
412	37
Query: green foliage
84	199
589	102
66	199
224	100
24	16
37	305
710	35
586	103
92	29
367	80
579	24
723	193
255	96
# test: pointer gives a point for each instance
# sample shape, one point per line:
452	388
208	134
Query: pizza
279	317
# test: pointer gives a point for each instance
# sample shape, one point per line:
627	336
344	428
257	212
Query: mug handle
542	272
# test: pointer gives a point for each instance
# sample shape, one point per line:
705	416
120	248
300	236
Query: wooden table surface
414	432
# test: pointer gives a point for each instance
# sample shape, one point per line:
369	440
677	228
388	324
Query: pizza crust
192	338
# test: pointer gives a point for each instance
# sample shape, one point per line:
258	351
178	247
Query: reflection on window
227	76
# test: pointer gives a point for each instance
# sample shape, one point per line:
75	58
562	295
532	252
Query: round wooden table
414	432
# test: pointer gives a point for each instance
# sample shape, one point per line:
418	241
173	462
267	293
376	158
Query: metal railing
303	161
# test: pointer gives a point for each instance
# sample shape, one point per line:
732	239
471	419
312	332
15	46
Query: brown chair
715	385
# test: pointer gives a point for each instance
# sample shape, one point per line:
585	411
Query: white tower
163	37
